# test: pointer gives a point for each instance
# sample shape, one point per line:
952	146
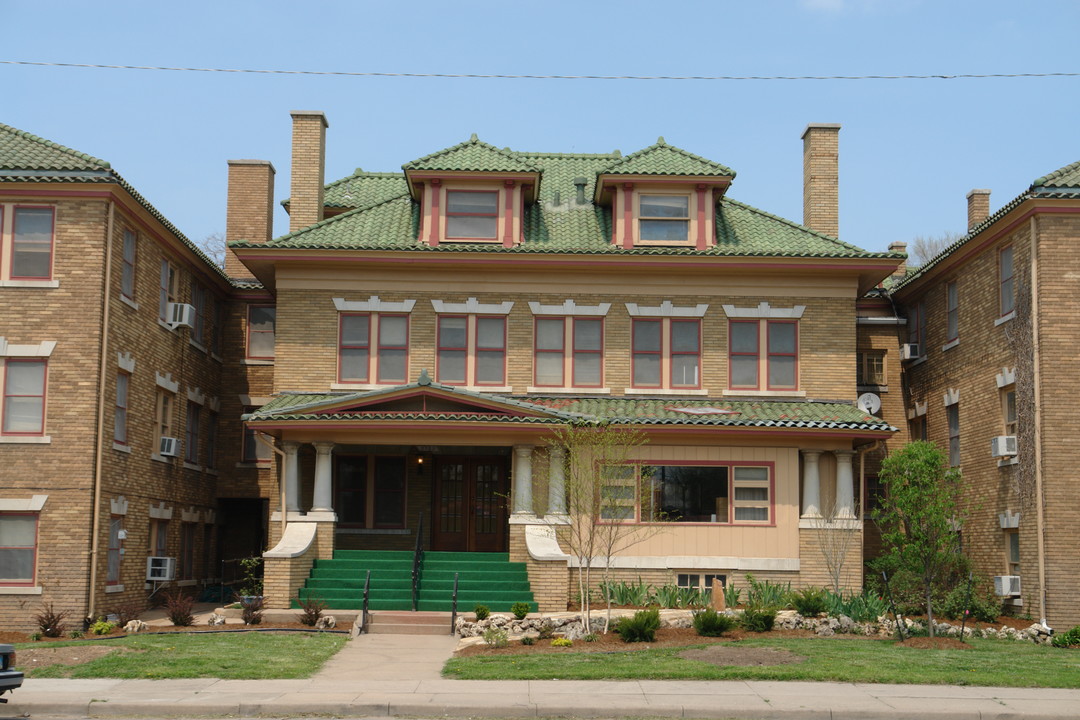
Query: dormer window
664	218
472	214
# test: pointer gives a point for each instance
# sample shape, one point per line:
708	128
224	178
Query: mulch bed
9	636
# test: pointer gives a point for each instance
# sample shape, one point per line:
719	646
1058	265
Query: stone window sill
30	283
1005	318
765	393
114	589
119	447
950	345
253	361
568	390
132	304
665	391
192	466
27	440
1006	462
161	458
27	590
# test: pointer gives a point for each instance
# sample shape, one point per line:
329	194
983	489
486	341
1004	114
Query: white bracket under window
666	309
569	307
1006	377
765	310
952	396
373	304
472	306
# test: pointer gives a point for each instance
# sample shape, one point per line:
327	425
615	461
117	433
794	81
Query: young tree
603	492
920	516
836	538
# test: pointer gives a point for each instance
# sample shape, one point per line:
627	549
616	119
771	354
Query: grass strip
988	662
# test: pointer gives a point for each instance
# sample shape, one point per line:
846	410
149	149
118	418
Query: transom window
724	493
471	348
666	344
472	214
779	364
664	218
569	347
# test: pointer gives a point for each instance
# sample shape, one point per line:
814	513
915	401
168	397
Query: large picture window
725	493
370	491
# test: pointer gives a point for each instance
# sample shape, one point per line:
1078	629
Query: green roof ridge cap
663	144
473	140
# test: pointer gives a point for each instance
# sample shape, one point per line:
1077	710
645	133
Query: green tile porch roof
621	410
664	159
472	155
1062	183
25	157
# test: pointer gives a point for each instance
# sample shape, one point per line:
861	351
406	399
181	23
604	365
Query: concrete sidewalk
398	675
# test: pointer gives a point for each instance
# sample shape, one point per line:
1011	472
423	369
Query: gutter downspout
100	449
268	441
1037	391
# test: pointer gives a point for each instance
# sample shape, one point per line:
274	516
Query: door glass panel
452	490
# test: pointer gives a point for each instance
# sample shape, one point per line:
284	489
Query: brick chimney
308	166
821	178
899	246
249	214
978	207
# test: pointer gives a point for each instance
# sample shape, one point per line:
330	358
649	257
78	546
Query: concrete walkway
398	675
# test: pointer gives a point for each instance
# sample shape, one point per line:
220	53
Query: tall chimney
899	246
821	178
978	207
249	214
308	165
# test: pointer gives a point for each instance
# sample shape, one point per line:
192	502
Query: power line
500	76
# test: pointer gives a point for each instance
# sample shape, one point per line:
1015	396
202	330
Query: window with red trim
744	355
724	493
778	364
453	350
32	243
393	350
588	355
472	214
24	397
120	411
18	548
1006	291
261	332
647	352
127	271
685	353
666	353
549	351
490	342
783	362
354	347
471	350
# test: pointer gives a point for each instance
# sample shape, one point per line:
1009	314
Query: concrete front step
408	623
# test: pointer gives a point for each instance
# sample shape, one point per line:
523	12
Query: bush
481	612
758	619
547	630
496	637
528	640
672	596
102	627
311	609
867	606
732	595
641	627
627	594
178	608
767	593
76	634
561	642
1070	638
51	621
520	610
591	637
127	611
252	610
984	606
810	601
709	623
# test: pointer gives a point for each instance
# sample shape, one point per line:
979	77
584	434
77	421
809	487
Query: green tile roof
472	155
664	159
1066	177
361	189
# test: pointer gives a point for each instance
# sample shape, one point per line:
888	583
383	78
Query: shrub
591	637
767	593
709	623
867	606
732	595
76	634
178	608
252	582
984	606
51	621
758	619
672	596
561	642
624	593
102	627
1070	638
311	609
528	640
37	636
520	610
810	601
251	610
496	637
127	611
641	627
547	630
481	612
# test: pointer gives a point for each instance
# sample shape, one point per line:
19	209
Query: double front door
470	504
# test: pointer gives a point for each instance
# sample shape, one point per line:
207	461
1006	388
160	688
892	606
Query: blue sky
909	149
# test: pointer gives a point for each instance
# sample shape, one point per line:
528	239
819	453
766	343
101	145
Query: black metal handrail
453	606
364	612
418	556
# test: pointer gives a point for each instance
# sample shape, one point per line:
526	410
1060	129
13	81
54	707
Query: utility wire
498	76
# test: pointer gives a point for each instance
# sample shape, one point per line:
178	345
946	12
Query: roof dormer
663	196
472	192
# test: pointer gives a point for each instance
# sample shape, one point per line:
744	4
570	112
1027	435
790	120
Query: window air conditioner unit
1003	446
181	315
909	351
160	568
170	447
1006	585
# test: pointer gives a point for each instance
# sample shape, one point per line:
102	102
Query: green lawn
989	662
229	656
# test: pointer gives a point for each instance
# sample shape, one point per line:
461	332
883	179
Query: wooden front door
470	504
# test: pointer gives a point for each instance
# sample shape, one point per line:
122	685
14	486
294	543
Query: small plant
641	627
311	609
528	640
127	611
1067	639
102	627
51	621
481	612
732	595
520	610
547	630
76	634
178	608
36	636
709	623
627	594
810	601
252	583
591	637
252	610
867	606
562	642
984	607
672	596
758	619
496	637
766	593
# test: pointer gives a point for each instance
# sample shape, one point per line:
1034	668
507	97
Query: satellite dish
869	403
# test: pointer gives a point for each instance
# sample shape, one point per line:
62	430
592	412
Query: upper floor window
952	312
1008	409
261	332
127	272
24	396
1006	291
664	218
952	416
916	321
32	243
569	348
18	547
211	440
763	348
391	351
200	300
166	289
191	434
120	412
471	350
472	214
253	451
871	368
163	416
666	352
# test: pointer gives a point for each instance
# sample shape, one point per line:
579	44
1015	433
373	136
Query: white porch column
556	481
291	471
523	480
811	490
845	484
323	500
